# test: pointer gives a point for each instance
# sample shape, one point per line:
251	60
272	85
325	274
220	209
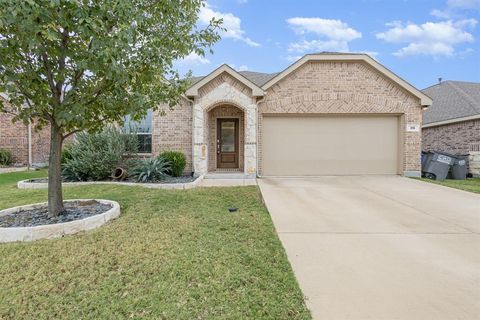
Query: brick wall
456	138
173	131
14	137
332	87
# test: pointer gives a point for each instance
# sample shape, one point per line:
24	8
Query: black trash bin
459	168
437	165
426	157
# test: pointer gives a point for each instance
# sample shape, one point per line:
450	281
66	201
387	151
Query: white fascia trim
424	99
450	121
193	90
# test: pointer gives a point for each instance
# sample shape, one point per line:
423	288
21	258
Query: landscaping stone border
14	169
56	230
27	184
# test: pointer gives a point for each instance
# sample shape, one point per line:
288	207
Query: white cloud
293	58
243	68
441	14
328	28
242	1
194	59
318	45
430	38
334	35
455	8
464	4
230	22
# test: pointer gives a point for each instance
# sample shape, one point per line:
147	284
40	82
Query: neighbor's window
143	130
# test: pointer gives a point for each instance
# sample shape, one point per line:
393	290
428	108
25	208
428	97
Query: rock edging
27	184
57	230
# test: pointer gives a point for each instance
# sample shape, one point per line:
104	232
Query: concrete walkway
380	247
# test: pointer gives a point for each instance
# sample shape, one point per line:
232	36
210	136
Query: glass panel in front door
227	136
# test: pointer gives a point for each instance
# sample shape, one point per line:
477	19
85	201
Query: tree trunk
55	197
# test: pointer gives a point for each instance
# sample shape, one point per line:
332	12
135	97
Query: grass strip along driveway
170	255
471	184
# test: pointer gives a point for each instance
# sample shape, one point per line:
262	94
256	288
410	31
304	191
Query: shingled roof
452	100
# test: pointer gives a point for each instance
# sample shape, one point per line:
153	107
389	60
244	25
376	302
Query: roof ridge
464	95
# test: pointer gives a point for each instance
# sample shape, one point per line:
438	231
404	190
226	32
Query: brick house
27	145
327	113
452	123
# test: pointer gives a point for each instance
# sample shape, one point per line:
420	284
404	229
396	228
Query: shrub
94	156
67	152
5	157
150	169
177	160
131	143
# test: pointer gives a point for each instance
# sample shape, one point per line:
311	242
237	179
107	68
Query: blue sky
418	40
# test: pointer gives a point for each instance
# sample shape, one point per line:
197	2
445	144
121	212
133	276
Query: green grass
472	185
170	255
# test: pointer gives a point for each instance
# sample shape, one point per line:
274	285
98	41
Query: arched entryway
226	138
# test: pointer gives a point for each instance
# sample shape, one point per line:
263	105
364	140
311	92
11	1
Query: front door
227	143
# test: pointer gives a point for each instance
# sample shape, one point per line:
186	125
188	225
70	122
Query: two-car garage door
333	145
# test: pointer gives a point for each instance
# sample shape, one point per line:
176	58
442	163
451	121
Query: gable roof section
453	101
193	90
424	99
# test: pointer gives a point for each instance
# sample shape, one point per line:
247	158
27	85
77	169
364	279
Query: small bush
94	156
5	157
177	160
67	152
131	143
150	169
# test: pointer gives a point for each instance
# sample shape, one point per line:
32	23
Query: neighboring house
327	113
27	145
452	123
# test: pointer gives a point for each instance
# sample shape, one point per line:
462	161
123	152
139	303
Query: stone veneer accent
224	90
224	111
332	87
173	131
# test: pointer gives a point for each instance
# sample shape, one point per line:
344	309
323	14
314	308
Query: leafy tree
76	65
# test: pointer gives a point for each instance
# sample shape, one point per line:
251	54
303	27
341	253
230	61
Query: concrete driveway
379	247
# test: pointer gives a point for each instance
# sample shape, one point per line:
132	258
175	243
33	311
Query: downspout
29	129
258	135
192	101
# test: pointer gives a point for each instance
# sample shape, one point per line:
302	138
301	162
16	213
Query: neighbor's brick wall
14	137
455	138
224	111
328	87
41	145
173	131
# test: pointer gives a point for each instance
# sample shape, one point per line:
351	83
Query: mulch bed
74	210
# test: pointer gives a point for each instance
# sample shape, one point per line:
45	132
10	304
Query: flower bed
171	183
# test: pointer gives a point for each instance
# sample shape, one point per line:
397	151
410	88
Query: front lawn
472	185
170	255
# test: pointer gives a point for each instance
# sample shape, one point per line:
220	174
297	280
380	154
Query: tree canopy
80	64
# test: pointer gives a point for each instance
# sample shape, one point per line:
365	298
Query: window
143	130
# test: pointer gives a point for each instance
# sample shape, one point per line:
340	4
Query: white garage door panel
302	146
